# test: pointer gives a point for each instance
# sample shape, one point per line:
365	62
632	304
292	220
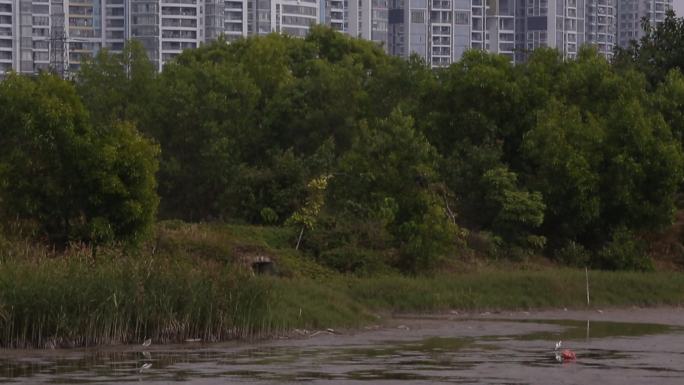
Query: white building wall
235	21
600	19
500	23
8	52
182	27
630	13
558	24
337	14
295	17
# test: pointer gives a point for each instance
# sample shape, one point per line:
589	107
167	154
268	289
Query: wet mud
627	346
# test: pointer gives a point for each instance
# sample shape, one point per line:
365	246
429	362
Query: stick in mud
586	273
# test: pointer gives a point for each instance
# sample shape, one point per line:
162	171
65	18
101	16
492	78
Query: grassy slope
188	283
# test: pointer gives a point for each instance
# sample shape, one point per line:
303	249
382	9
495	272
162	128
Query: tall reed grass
510	290
70	301
64	299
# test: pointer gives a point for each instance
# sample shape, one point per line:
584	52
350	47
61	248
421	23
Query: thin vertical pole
586	273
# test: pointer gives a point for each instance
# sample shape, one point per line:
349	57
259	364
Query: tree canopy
386	163
76	182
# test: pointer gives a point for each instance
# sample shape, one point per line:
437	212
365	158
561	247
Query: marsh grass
511	290
71	302
187	285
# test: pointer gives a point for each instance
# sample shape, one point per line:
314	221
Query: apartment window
115	12
115	34
116	23
41	20
461	18
116	46
41	8
41	56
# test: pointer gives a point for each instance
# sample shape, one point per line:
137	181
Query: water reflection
518	354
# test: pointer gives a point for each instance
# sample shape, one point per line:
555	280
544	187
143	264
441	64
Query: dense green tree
229	111
278	185
602	159
669	100
642	169
74	182
564	155
514	212
119	86
660	50
477	102
388	176
577	152
205	126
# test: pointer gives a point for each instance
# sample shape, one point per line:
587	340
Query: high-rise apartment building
439	31
37	35
167	27
24	35
227	18
365	19
114	27
8	55
336	14
182	27
83	22
291	17
630	13
409	23
449	31
558	24
500	27
600	26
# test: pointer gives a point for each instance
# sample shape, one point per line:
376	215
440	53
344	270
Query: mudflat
613	346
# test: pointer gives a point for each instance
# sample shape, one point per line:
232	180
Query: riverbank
197	282
66	302
616	345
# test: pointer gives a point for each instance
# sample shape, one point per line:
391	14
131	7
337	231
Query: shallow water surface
420	350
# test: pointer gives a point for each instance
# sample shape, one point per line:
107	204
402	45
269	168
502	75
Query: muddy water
613	347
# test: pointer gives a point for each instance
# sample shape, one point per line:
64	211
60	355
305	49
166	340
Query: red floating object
569	355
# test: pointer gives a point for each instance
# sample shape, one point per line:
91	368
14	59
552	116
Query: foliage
75	182
623	252
573	254
204	127
660	50
119	86
537	156
563	153
388	176
307	215
513	209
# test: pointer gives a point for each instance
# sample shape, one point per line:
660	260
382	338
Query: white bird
145	366
147	342
558	345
